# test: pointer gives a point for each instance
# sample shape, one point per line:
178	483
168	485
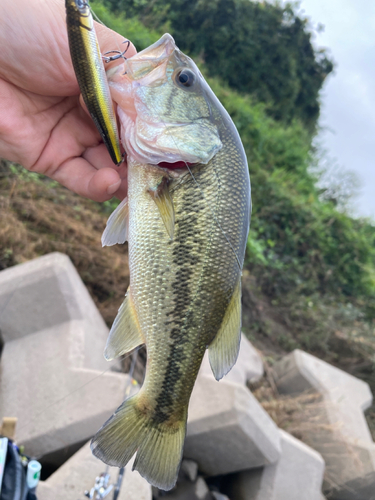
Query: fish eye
185	78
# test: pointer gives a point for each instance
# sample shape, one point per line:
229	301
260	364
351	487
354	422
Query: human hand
42	123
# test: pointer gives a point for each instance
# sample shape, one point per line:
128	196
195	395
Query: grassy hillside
260	48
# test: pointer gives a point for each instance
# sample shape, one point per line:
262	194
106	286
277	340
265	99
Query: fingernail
113	187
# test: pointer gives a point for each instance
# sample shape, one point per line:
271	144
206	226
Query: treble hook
118	52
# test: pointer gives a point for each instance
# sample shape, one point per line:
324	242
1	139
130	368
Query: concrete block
78	474
54	377
248	367
299	371
342	437
44	293
186	490
189	469
228	430
298	475
218	496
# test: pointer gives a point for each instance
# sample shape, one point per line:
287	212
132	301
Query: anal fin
223	350
116	230
125	334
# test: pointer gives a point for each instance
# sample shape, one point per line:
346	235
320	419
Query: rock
342	436
78	474
156	493
298	475
219	496
300	371
53	374
189	469
228	430
186	490
248	367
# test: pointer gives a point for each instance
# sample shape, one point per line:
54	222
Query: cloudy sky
348	111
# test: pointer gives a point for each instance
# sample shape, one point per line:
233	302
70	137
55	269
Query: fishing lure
89	69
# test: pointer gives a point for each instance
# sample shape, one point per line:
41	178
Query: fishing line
21	281
121	471
135	354
191	173
202	192
96	17
2	311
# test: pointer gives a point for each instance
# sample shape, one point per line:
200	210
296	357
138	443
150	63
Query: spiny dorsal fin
116	230
164	202
125	334
223	350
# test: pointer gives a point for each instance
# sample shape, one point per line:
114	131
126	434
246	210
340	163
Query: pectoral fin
164	202
125	334
223	350
116	230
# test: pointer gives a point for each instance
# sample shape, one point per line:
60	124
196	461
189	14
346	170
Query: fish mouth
177	165
153	59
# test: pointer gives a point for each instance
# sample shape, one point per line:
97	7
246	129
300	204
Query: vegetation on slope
258	48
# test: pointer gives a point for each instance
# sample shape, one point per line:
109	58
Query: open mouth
174	166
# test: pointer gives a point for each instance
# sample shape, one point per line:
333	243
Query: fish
90	72
186	220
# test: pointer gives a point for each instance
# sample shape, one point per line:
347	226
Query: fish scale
184	293
191	278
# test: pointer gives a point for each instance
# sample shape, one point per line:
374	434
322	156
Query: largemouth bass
186	220
89	69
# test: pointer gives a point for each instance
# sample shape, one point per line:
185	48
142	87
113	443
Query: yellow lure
89	69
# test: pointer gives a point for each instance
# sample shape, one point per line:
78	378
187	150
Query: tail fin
159	445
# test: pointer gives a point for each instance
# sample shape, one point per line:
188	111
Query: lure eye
81	4
185	78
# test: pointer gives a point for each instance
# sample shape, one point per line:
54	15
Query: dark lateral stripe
183	258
